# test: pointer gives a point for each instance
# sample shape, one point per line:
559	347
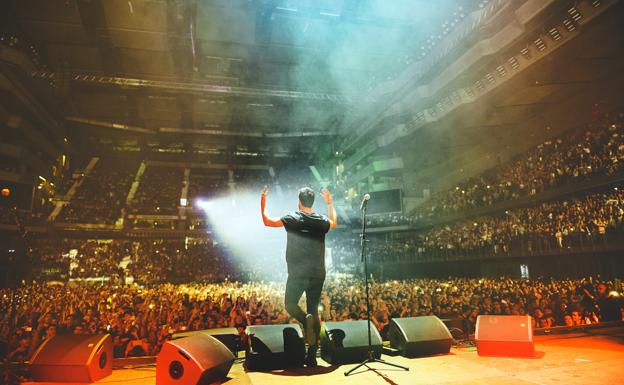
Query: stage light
6	192
287	9
569	25
525	52
513	62
574	12
539	43
203	205
234	220
554	33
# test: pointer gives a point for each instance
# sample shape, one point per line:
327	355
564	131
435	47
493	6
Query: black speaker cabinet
347	342
228	336
73	358
419	336
196	360
275	347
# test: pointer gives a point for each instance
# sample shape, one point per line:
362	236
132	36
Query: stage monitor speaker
505	335
196	360
73	358
347	342
458	327
228	337
419	336
275	347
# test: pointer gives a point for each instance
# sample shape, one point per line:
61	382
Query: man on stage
305	258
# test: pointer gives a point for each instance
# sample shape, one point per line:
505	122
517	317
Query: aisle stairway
59	204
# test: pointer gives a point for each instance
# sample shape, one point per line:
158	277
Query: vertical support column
184	203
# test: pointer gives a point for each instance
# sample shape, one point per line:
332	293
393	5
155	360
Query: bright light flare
235	222
203	204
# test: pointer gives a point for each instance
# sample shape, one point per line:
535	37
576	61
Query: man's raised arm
333	222
268	221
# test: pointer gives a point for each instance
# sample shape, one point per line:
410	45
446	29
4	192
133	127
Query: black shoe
311	357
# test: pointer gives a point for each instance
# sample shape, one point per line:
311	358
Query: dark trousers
295	287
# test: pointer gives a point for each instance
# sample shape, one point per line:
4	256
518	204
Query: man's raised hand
268	221
327	196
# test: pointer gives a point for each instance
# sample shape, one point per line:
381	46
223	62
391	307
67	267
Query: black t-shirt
305	246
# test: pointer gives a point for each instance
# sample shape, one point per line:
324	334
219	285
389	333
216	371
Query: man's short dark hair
306	197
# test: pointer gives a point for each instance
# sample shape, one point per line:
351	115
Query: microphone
365	200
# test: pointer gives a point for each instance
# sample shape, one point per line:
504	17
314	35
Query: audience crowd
7	216
551	225
159	191
101	195
141	318
586	153
141	291
597	150
591	222
144	260
204	186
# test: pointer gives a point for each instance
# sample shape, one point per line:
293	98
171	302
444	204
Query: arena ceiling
261	75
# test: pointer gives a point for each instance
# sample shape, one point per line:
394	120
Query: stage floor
591	357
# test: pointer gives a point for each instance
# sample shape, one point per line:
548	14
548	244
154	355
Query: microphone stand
371	354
